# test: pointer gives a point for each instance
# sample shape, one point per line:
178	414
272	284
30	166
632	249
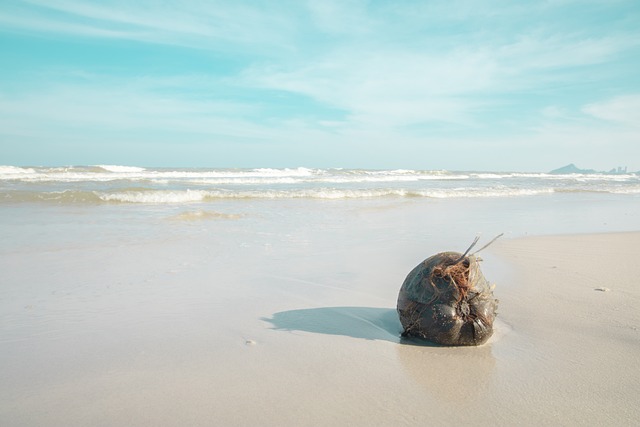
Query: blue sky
461	85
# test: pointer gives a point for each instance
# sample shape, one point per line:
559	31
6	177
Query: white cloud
203	25
386	87
622	109
341	17
116	107
396	86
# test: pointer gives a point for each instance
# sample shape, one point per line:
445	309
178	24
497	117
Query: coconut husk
447	300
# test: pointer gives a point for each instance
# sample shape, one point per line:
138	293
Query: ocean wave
102	173
12	171
128	184
68	177
242	181
148	196
120	169
301	171
626	191
485	193
268	176
189	196
60	197
154	197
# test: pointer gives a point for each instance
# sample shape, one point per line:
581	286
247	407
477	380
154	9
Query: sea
116	204
101	184
38	203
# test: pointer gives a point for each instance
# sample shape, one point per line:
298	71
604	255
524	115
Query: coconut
447	300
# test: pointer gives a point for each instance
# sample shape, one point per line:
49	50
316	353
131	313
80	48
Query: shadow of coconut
370	323
357	322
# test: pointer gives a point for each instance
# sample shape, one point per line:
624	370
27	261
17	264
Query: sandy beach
208	211
220	321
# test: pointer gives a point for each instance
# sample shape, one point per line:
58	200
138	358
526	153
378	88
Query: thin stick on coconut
487	245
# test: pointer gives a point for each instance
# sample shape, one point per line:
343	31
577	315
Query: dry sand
566	351
573	305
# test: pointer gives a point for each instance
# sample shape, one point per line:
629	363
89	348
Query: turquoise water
99	203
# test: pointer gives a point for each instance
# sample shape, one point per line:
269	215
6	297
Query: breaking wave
120	169
101	173
137	185
199	196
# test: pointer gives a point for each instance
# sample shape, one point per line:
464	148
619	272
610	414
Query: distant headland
571	168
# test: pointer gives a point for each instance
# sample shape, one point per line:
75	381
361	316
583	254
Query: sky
457	84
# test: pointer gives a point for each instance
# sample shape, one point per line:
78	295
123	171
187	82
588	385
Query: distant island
571	168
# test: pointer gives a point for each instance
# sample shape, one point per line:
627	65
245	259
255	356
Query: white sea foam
121	169
284	172
240	181
631	190
72	176
490	175
154	196
481	193
103	173
127	184
319	193
12	171
187	196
